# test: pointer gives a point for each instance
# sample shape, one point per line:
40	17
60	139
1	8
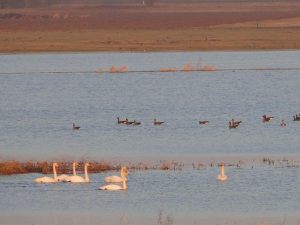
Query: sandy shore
191	27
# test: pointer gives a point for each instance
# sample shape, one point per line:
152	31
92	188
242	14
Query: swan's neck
124	184
54	172
74	169
86	176
222	171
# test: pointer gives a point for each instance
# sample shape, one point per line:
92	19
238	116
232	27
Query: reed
65	167
11	167
164	165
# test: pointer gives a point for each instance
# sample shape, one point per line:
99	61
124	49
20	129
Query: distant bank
203	26
150	40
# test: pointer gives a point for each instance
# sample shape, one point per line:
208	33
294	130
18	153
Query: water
42	94
187	193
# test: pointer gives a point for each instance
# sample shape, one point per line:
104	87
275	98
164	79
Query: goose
79	179
121	121
283	124
234	124
266	118
114	187
155	122
75	127
127	122
296	117
136	123
48	179
222	176
237	122
204	122
117	179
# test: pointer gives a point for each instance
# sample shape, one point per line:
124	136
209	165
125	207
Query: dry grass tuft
11	167
164	165
101	167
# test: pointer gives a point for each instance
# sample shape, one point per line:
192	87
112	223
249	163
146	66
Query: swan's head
221	165
87	164
55	164
75	163
124	171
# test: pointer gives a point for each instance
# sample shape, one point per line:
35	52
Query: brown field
164	27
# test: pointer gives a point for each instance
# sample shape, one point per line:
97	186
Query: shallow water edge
161	218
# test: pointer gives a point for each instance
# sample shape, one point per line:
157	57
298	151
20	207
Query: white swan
117	179
79	179
48	179
114	187
222	176
64	177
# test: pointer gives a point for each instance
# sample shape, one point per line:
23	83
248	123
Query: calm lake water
42	94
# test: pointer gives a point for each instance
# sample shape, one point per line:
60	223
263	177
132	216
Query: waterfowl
75	127
53	179
136	123
121	121
64	177
222	176
296	117
282	124
114	187
234	124
117	179
155	122
79	179
266	118
203	122
127	122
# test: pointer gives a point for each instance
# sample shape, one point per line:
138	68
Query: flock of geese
79	179
110	179
124	170
232	123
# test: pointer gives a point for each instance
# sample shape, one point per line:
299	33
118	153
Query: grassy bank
200	39
65	167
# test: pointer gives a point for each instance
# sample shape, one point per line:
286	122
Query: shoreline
150	218
13	167
158	51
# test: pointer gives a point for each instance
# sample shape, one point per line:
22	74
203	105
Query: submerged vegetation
65	167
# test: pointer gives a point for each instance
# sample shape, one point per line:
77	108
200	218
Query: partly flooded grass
65	167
